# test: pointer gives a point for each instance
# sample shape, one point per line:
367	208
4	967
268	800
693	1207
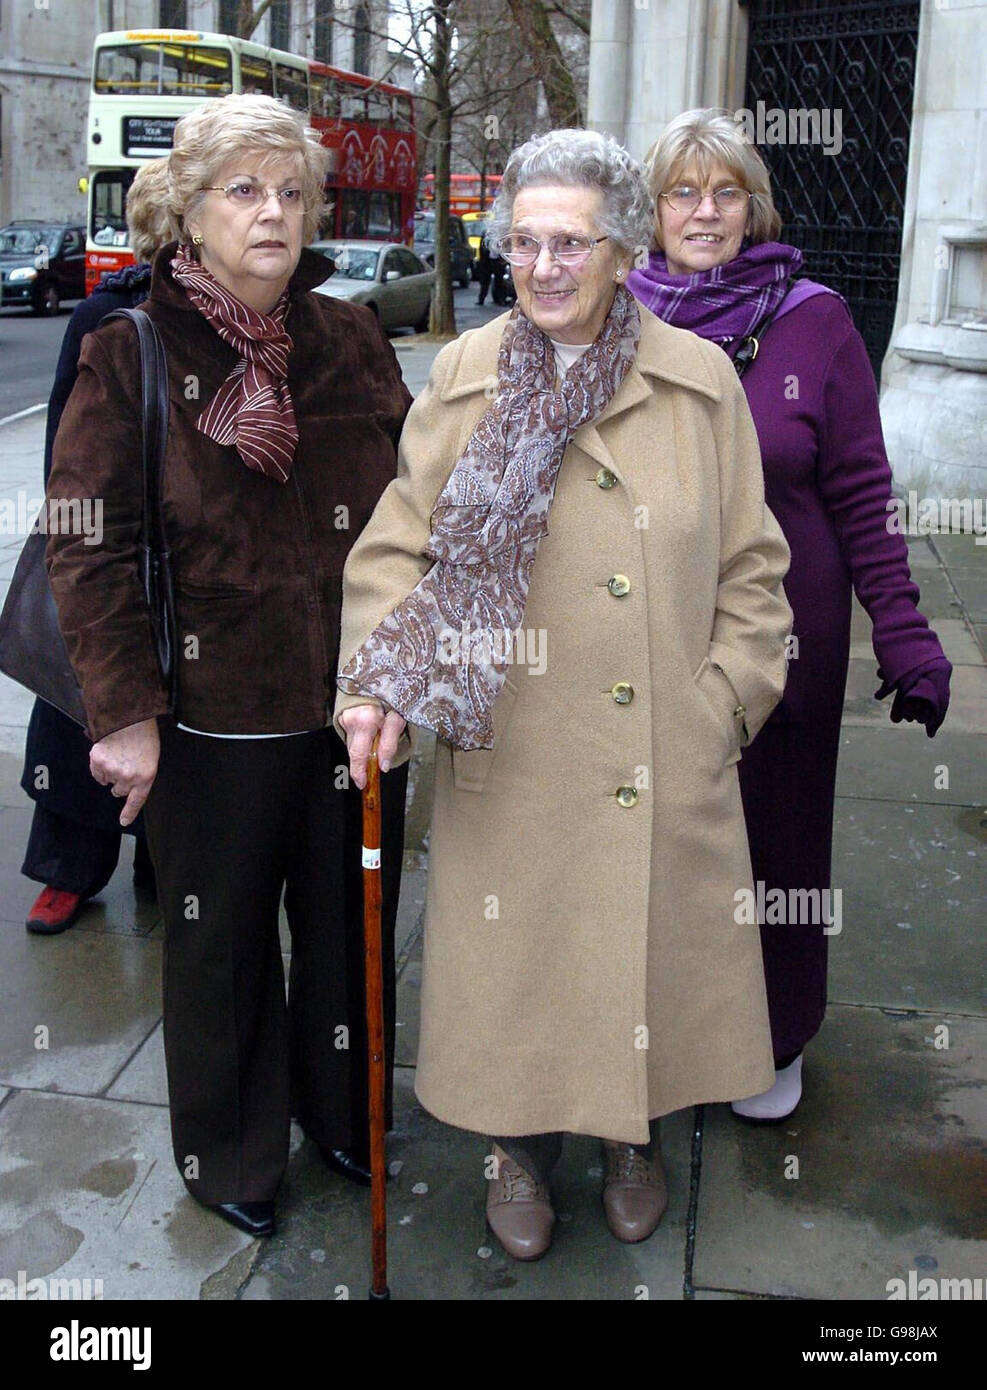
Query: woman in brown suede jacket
285	410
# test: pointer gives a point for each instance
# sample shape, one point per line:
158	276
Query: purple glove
921	696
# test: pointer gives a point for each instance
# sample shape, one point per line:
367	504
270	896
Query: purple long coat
827	479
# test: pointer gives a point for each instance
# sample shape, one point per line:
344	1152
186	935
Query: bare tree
533	22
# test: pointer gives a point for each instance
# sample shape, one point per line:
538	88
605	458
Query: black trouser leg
537	1154
65	854
324	906
217	818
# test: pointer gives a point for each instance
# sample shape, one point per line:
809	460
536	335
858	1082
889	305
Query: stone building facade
651	59
46	61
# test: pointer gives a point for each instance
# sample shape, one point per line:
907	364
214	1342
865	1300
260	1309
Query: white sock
779	1101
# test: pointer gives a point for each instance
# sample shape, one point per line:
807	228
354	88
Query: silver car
389	278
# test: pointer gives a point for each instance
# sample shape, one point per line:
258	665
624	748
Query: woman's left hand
362	724
126	761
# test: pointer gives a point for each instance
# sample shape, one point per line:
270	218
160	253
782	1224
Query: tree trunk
443	319
557	83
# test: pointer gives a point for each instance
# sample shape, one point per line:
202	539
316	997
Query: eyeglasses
687	199
566	248
246	193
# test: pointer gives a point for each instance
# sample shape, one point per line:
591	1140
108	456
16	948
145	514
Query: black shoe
356	1167
256	1218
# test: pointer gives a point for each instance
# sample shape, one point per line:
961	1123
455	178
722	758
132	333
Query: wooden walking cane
376	1061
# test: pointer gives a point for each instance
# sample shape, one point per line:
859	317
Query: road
29	348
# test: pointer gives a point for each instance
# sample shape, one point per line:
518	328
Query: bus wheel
46	301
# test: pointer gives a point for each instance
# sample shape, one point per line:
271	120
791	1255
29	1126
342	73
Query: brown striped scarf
253	408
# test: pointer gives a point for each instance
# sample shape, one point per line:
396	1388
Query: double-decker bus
467	192
144	80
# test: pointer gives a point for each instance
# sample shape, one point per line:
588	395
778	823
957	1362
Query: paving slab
957	640
96	993
409	1008
889	1140
914	884
90	1191
901	763
144	1078
438	1243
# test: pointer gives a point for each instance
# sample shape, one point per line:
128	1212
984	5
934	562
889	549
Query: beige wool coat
583	968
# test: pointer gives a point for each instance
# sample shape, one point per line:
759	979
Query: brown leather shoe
519	1209
634	1191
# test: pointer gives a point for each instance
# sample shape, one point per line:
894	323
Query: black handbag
32	649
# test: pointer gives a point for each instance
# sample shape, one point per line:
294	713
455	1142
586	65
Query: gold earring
197	240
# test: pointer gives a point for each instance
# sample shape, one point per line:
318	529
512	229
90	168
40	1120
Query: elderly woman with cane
575	582
285	410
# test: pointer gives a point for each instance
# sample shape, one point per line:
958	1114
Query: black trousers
231	823
67	855
538	1154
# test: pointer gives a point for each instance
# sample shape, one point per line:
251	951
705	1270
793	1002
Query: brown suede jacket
258	564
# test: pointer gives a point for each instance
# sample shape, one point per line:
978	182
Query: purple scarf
725	303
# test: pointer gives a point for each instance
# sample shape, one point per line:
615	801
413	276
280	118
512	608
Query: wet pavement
882	1169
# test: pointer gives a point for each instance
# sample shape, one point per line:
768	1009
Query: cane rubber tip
380	1297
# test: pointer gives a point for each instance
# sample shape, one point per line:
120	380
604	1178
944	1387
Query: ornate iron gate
844	210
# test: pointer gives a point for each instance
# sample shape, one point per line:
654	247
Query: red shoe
54	911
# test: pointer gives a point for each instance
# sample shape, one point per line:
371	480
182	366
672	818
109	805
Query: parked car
459	247
387	277
42	263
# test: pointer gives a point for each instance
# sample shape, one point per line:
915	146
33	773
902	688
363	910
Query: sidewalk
889	1138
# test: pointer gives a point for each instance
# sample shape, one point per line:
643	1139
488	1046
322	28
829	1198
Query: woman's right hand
126	761
362	724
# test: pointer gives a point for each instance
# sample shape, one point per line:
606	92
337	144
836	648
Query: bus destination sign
148	137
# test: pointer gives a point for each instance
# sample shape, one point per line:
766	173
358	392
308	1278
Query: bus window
353	105
378	108
333	100
317	93
292	86
376	215
109	199
155	69
256	76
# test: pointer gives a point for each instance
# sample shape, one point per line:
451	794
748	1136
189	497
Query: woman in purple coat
717	269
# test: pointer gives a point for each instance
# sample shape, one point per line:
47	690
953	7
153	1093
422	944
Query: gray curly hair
581	159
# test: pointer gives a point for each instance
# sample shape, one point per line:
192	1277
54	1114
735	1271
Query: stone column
934	406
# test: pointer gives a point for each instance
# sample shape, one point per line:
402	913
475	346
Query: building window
173	14
323	31
361	41
281	24
229	16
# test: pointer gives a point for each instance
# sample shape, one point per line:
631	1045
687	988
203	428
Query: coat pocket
470	770
717	698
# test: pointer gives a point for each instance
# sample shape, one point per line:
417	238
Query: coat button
627	796
605	479
619	585
623	693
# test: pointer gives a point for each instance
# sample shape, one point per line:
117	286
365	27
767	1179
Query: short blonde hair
148	220
703	137
224	128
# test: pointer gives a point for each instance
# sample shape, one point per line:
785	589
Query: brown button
605	479
622	693
619	585
627	796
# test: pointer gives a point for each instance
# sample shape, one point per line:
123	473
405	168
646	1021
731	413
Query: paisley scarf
440	658
253	407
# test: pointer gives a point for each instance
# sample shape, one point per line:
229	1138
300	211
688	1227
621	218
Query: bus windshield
162	69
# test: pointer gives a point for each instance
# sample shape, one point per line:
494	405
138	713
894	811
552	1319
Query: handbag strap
799	292
154	423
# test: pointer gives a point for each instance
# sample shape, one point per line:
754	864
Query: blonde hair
703	137
224	128
148	222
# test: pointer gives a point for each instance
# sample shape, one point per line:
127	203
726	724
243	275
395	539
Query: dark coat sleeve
102	610
855	482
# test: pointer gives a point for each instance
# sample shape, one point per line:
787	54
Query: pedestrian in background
718	270
285	410
74	842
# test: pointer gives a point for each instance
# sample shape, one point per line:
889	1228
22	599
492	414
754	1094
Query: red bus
467	192
145	80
